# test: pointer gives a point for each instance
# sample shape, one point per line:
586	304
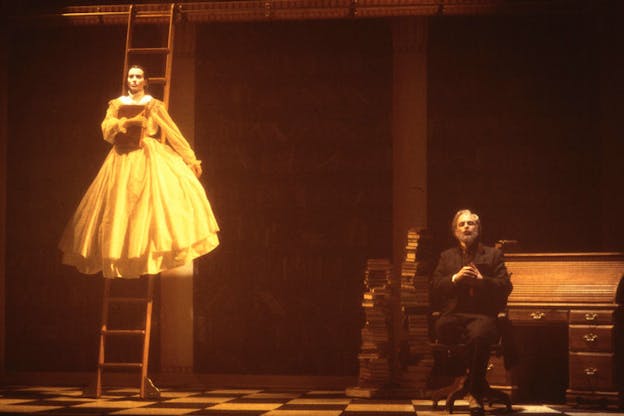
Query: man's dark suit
469	312
489	298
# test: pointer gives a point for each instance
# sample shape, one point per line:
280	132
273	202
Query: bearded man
471	284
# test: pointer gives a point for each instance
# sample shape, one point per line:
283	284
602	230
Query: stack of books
416	356
375	349
378	274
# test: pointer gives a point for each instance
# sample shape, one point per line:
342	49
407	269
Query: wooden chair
457	389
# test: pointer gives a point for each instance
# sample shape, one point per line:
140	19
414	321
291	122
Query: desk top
594	279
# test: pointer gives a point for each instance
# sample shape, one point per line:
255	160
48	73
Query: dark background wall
295	132
523	128
293	126
60	80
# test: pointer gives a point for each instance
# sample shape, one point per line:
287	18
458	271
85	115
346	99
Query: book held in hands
131	139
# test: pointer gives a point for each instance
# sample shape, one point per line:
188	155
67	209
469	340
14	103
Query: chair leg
447	391
457	390
496	396
457	394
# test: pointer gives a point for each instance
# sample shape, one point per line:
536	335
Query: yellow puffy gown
145	211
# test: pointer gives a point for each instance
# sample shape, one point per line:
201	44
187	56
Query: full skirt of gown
144	212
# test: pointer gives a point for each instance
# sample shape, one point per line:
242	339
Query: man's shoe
475	406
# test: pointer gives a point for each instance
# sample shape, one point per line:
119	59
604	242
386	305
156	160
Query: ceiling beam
267	10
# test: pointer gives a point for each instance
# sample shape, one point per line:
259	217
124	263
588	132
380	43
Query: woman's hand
138	120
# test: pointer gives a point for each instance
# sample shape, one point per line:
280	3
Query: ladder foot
90	391
151	391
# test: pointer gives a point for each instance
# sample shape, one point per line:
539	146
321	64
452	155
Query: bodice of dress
157	118
151	128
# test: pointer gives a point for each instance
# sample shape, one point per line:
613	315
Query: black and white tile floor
61	401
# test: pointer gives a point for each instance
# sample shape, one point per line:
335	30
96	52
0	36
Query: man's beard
467	239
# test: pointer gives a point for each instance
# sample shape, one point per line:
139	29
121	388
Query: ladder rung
158	80
149	50
121	365
127	300
123	331
148	15
88	14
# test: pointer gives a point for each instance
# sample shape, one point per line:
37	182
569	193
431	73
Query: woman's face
136	80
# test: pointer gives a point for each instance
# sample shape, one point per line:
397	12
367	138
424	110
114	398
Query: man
471	284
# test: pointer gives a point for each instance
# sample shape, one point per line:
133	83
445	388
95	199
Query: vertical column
176	286
409	132
4	61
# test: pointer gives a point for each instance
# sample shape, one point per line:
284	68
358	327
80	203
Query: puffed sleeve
171	133
111	125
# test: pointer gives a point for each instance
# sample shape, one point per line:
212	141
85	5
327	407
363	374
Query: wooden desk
585	292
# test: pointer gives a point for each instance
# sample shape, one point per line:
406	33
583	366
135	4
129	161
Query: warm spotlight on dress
145	211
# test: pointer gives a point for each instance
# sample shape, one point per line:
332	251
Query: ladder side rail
146	336
103	328
169	59
128	46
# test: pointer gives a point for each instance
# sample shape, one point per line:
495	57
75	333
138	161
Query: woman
145	211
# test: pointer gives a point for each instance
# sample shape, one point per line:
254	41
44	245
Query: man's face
466	230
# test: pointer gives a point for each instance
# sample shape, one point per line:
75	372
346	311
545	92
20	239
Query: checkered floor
16	400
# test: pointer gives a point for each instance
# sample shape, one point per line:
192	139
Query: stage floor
45	400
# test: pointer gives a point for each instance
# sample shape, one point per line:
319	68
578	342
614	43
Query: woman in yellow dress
145	211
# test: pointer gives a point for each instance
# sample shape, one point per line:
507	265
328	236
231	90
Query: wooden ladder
153	14
147	389
147	14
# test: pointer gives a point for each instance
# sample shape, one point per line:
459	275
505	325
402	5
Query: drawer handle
591	371
591	316
537	315
590	337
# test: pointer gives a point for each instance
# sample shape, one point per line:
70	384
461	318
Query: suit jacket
489	297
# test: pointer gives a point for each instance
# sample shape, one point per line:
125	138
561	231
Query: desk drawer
591	338
591	317
591	371
542	316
